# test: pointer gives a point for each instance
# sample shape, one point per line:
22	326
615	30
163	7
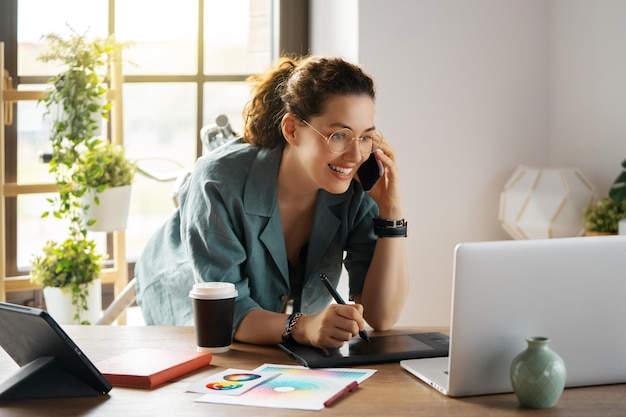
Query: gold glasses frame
378	138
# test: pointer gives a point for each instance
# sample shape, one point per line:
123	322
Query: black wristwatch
390	228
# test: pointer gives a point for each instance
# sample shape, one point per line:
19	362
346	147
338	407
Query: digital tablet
51	365
380	349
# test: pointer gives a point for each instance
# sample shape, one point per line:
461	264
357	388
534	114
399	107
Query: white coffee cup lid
213	290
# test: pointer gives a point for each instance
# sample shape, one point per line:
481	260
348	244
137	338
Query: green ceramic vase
538	374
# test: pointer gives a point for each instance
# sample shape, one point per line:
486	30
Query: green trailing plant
76	101
71	265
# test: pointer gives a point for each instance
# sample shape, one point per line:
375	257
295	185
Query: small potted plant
70	271
602	217
106	176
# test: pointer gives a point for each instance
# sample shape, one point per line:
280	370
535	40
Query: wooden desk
390	392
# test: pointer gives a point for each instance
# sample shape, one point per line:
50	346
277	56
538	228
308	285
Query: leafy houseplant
617	192
102	167
77	102
105	165
71	266
603	217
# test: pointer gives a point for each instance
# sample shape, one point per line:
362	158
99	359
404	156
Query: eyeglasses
340	141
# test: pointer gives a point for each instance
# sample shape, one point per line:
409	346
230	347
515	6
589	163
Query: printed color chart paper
295	387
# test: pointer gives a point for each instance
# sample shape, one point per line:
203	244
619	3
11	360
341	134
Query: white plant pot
112	212
59	304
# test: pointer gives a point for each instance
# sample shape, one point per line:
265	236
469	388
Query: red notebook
148	368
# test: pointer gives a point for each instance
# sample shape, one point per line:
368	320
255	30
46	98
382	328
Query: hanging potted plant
107	176
77	103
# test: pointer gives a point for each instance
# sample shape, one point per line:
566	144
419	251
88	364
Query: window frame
291	17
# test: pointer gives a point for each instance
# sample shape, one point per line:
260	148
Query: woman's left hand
386	191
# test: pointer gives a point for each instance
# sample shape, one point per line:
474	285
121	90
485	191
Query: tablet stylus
339	300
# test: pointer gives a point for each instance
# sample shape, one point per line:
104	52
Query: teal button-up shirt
228	228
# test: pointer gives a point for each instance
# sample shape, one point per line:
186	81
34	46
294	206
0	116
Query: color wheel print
223	386
232	381
241	377
282	387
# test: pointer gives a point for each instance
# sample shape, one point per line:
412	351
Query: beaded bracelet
291	323
390	228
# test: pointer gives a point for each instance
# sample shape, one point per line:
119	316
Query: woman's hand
387	282
386	192
332	327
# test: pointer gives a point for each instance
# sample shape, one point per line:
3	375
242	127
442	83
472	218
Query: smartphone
370	171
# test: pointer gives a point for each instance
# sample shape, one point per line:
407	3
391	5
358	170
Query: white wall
467	91
336	28
588	87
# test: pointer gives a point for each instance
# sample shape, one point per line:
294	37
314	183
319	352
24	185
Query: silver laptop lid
571	290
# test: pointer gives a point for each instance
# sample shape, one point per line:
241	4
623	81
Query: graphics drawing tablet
380	349
51	365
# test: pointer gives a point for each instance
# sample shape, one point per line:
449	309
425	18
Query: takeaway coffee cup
213	311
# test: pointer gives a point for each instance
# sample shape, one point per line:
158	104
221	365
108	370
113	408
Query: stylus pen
339	300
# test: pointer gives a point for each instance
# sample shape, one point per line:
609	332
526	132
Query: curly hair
299	86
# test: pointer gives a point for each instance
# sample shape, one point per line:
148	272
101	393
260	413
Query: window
187	64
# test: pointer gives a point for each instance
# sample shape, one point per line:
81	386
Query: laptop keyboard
436	338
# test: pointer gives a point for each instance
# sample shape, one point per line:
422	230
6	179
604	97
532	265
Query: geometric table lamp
539	203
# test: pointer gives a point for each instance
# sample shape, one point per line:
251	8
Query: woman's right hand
332	327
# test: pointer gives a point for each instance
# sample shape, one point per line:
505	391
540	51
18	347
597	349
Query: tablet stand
43	378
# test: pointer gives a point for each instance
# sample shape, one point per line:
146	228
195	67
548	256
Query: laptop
571	290
50	363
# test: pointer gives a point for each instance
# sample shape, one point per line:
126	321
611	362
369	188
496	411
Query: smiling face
326	170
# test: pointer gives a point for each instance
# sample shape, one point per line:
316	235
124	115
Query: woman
272	211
